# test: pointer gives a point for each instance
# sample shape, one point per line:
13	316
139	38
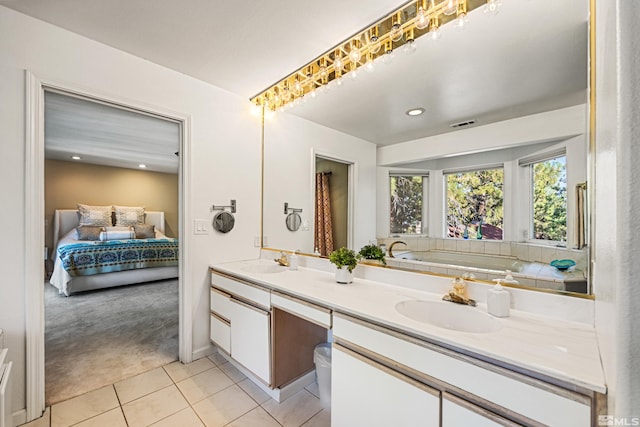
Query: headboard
64	220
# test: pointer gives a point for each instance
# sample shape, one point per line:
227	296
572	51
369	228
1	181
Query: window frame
424	229
474	168
528	163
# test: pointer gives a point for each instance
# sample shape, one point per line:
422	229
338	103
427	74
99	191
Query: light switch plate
200	226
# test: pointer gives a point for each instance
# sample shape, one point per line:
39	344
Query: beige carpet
97	338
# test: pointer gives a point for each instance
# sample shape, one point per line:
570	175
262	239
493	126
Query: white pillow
129	215
95	215
117	233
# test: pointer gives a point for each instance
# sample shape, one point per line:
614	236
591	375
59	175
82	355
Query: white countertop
566	351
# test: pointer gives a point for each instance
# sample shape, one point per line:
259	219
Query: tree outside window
407	204
550	199
475	204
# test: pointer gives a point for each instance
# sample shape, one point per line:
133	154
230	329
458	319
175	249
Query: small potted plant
345	261
373	252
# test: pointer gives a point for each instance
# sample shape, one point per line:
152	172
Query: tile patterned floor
208	392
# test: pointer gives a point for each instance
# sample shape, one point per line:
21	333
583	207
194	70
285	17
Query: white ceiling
529	58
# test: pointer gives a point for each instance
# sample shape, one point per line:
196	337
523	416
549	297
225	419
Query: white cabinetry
250	339
240	323
515	396
457	412
365	393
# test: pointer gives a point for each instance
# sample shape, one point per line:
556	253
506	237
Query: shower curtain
323	239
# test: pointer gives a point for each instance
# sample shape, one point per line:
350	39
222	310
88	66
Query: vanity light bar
399	27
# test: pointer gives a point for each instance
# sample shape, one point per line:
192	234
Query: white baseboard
19	417
203	352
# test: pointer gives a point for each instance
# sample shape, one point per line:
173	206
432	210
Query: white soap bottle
509	279
293	261
498	300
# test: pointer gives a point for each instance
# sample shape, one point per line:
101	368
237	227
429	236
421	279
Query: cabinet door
220	333
365	393
250	338
457	412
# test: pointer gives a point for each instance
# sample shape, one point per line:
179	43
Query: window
549	190
408	204
475	204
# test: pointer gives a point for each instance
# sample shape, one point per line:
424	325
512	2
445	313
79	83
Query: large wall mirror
500	150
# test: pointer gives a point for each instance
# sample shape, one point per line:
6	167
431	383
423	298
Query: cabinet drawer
365	393
220	303
220	333
245	291
457	412
311	312
534	399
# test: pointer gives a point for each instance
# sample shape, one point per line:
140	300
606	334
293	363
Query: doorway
35	235
111	327
338	174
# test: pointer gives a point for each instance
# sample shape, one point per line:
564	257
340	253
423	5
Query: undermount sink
264	268
448	315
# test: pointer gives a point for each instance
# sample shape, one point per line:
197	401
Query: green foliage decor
372	252
344	257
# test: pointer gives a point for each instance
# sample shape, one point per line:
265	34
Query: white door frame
34	230
352	179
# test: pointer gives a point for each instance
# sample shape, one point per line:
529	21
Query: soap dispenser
293	260
509	280
498	300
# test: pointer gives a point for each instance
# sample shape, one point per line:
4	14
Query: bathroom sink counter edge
555	348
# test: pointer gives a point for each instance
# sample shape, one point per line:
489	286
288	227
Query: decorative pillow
129	215
95	215
89	232
145	231
117	233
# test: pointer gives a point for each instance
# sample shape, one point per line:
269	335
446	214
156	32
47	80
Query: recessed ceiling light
76	157
415	112
142	166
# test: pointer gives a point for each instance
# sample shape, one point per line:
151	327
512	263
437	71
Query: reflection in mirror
293	221
223	222
519	86
332	206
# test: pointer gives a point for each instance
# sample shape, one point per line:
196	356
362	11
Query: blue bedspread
85	259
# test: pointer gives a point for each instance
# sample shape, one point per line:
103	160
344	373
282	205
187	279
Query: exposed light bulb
374	46
337	63
323	72
492	7
450	7
368	67
353	74
409	47
461	21
422	19
395	33
434	33
388	57
297	87
355	55
255	110
269	114
313	93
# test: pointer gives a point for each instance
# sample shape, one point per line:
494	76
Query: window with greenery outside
475	204
550	199
406	204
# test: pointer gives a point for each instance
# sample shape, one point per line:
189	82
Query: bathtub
485	262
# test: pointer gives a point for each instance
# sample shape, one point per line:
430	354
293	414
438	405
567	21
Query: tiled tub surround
547	336
533	261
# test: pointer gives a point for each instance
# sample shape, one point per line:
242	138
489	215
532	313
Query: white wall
224	157
617	194
290	146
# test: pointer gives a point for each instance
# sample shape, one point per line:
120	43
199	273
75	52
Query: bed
123	262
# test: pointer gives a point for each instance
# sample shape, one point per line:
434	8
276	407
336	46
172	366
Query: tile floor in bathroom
208	392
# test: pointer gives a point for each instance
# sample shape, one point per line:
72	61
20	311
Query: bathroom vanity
461	367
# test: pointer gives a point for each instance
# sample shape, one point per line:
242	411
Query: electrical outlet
256	241
265	241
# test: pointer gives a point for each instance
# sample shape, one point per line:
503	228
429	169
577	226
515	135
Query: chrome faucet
458	293
392	245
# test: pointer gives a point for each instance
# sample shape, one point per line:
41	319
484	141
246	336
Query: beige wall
69	183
